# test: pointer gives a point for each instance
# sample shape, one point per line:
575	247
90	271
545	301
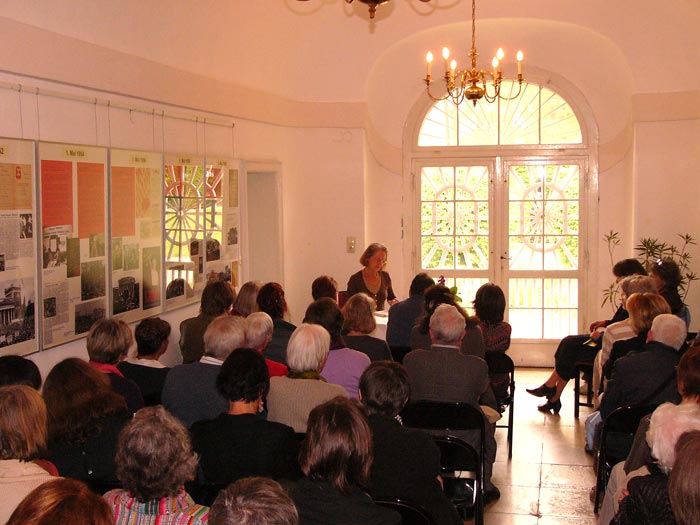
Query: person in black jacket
241	443
406	461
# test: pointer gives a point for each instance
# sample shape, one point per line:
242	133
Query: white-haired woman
292	398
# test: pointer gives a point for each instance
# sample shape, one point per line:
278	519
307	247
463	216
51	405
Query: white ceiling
326	50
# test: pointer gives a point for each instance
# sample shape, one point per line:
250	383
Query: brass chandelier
470	84
374	3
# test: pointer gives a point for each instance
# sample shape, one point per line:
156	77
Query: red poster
91	197
56	193
123	202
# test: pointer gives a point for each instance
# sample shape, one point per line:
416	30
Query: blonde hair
358	313
22	423
371	250
643	308
108	341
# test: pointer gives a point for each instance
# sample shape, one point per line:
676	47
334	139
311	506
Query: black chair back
616	439
502	376
457	456
411	513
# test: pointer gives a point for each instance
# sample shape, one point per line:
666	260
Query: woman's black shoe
554	406
542	391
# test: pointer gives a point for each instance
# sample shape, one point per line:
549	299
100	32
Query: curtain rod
22	88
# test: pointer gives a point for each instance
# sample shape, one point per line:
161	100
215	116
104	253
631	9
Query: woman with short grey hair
291	398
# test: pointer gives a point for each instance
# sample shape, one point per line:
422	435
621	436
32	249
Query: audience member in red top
258	336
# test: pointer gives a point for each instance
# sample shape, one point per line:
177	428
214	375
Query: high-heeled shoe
554	406
542	391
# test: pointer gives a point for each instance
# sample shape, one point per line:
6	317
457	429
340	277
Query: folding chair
502	374
411	514
462	464
616	440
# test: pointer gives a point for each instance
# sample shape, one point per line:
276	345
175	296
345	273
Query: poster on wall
18	260
187	191
137	225
223	228
73	235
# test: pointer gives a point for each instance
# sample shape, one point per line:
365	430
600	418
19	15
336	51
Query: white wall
666	164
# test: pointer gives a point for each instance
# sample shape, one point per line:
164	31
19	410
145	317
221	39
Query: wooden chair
501	365
462	464
585	367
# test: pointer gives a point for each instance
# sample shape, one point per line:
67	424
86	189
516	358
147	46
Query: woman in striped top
154	460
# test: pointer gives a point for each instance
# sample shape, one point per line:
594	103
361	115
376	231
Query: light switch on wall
350	241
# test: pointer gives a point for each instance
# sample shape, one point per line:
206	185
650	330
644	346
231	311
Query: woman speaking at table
372	280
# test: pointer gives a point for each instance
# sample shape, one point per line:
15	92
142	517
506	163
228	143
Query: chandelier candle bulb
429	60
446	57
500	54
519	58
494	63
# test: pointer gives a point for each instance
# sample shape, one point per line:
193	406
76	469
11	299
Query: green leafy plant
648	252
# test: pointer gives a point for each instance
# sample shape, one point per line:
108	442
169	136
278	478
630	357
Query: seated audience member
271	301
686	417
358	314
85	417
189	392
444	373
217	299
154	461
62	501
489	306
406	461
253	501
108	342
648	377
145	370
336	458
668	278
18	370
241	443
246	300
291	398
404	314
624	330
642	309
473	340
324	286
22	440
344	366
574	348
258	335
683	487
647	501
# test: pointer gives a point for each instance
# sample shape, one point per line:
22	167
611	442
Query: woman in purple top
344	366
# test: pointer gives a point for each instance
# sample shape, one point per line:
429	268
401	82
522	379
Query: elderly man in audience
258	335
404	314
444	373
190	391
648	377
252	501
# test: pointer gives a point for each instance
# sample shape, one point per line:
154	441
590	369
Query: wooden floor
548	479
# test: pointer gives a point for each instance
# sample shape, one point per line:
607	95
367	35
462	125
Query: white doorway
264	223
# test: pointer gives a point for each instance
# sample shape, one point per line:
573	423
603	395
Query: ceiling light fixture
470	84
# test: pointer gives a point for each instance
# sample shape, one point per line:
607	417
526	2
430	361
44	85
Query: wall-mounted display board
18	260
73	233
186	190
136	233
223	230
